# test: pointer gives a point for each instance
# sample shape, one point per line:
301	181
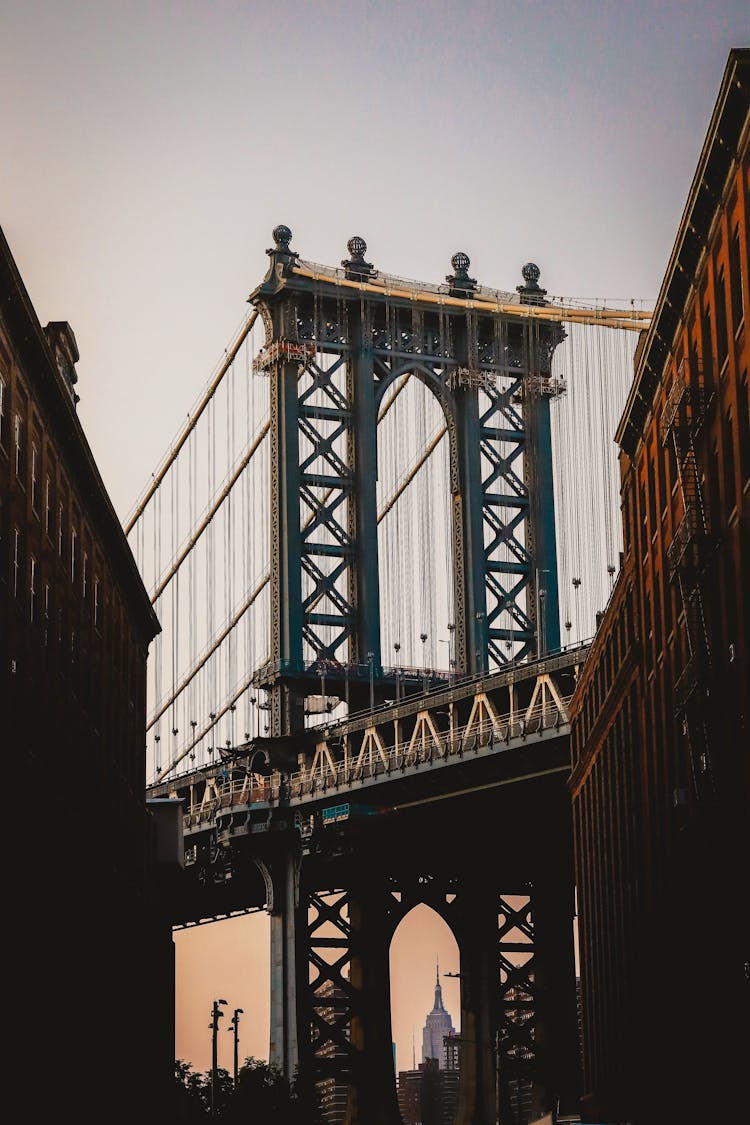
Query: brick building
661	714
75	625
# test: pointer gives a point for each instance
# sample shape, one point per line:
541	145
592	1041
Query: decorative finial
531	274
531	293
282	236
459	280
461	263
356	267
357	247
283	258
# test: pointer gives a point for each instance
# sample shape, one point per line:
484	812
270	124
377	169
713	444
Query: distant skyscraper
438	1025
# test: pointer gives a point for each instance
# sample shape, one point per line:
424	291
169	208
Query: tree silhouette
263	1095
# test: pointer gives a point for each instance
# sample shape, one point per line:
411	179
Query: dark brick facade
661	714
75	624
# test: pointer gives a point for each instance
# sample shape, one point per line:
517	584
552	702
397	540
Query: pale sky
150	148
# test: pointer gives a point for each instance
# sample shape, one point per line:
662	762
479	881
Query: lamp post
423	639
371	662
397	649
234	1027
216	1015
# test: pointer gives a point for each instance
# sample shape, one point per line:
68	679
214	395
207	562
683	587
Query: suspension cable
172	455
429	450
210	514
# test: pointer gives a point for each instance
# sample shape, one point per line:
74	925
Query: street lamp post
397	649
234	1027
216	1015
423	639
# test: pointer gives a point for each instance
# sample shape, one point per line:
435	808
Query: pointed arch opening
415	531
425	1009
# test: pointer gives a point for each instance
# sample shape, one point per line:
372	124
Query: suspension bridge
376	547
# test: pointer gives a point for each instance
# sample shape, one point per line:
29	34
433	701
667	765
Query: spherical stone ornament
357	246
531	274
460	262
282	236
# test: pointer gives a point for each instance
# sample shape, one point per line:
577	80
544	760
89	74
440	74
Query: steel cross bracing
331	353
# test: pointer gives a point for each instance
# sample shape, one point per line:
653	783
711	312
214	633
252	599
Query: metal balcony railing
687	684
688	531
671	406
688	390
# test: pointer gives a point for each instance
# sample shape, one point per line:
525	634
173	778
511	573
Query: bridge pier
558	1066
288	958
477	943
372	1093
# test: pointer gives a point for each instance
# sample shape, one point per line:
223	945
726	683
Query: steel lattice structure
336	341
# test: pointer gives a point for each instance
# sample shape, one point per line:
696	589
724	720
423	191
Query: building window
731	494
73	553
84	566
743	417
735	280
32	589
16	560
46	613
653	513
96	602
18	443
59	529
2	410
34	473
47	503
708	354
722	339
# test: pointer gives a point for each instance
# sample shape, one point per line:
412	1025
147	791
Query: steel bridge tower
336	340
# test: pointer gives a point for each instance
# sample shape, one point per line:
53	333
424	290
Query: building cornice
41	371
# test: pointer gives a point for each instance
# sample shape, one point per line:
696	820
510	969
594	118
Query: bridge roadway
479	734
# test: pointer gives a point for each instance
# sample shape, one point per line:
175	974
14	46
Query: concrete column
372	1095
477	941
288	960
558	1064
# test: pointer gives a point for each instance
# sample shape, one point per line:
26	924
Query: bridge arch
416	537
423	943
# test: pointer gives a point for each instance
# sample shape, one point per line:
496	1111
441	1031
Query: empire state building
438	1024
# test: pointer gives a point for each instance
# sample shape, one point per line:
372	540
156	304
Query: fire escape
688	556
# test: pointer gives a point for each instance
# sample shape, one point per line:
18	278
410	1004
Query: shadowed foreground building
75	624
661	714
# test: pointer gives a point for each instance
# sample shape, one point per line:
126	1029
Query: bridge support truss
516	979
335	343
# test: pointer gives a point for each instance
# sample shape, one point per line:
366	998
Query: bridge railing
375	759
